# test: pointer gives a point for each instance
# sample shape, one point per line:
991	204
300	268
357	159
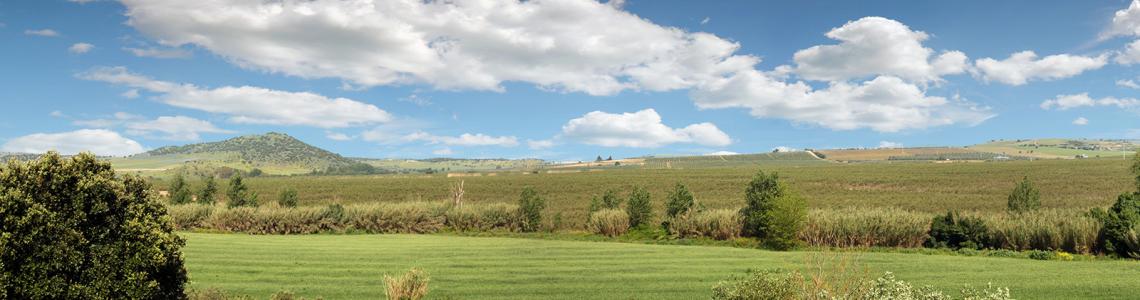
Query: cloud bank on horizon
877	74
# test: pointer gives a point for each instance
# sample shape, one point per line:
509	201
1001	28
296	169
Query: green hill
273	153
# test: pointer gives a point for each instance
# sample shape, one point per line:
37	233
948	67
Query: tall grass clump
609	222
272	219
866	227
720	224
191	216
407	217
411	286
497	216
1069	230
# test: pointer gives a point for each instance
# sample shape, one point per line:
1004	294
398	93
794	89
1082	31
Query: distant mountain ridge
271	147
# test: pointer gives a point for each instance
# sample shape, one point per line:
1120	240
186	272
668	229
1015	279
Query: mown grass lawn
351	267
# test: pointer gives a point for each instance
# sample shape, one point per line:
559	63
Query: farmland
922	187
351	267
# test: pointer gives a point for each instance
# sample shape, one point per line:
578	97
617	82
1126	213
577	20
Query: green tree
531	206
772	211
610	199
179	191
71	229
680	200
209	188
287	197
254	173
238	194
1024	197
639	209
1120	230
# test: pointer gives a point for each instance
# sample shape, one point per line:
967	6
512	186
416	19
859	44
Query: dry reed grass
719	224
497	216
866	227
609	222
411	286
1069	230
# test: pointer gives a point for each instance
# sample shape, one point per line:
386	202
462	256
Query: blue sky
564	79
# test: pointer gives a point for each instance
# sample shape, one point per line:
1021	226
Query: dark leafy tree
179	191
956	231
610	199
71	229
255	172
1120	233
209	188
238	194
638	207
772	211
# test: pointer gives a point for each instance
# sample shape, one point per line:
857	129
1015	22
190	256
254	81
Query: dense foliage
1024	197
638	207
772	211
180	193
238	193
956	231
208	190
71	229
287	197
531	206
679	200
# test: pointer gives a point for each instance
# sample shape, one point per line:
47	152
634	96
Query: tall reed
190	216
720	224
609	222
1069	230
866	227
406	217
497	216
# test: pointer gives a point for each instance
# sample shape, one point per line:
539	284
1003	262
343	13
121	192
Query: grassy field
351	267
1047	148
925	187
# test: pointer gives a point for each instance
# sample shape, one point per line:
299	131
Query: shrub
763	284
639	209
1024	197
71	229
1039	254
719	224
679	200
531	206
955	231
238	194
287	197
610	199
209	188
609	222
179	191
411	286
773	212
1003	253
1121	223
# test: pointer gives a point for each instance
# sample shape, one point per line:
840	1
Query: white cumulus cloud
1081	121
98	141
567	45
642	129
252	105
337	136
784	149
45	32
722	152
80	48
877	46
1128	83
179	128
465	139
1126	22
886	144
1023	66
1064	102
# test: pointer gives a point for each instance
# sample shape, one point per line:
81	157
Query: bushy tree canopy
69	229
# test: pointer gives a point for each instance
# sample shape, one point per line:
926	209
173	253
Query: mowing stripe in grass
351	267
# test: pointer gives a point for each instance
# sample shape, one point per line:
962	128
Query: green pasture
351	267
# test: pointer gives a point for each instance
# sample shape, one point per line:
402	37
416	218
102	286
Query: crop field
351	267
456	164
924	187
1047	148
882	154
959	156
